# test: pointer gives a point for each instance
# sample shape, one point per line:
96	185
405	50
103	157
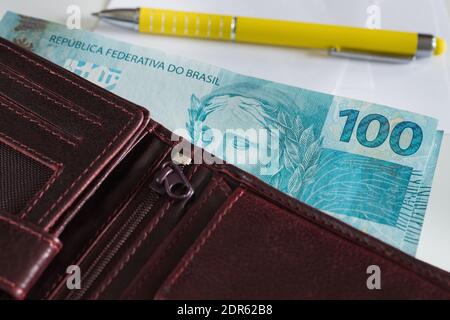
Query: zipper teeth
115	244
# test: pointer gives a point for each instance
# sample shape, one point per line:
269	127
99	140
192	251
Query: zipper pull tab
171	180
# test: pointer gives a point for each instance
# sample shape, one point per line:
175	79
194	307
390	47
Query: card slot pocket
47	105
35	120
49	95
25	175
82	93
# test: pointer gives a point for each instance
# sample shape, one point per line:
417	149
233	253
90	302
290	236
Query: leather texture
72	132
19	272
253	249
93	158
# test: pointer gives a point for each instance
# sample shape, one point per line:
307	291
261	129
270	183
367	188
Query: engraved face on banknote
293	147
349	160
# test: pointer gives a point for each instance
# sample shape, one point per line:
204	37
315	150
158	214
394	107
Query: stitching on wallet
13	108
41	193
377	247
132	116
215	184
16	145
67	80
85	171
203	240
32	86
40	237
55	167
191	174
132	250
37	235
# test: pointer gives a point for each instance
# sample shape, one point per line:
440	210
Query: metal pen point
126	18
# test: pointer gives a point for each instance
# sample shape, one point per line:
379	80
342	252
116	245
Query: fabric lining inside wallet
88	180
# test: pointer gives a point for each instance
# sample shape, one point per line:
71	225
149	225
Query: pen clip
368	56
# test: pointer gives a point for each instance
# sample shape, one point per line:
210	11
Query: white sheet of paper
421	86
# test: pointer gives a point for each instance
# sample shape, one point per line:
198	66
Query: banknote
366	164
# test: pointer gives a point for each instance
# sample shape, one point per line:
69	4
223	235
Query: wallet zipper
169	181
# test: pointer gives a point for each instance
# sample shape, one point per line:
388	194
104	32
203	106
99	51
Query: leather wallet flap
20	267
58	133
60	136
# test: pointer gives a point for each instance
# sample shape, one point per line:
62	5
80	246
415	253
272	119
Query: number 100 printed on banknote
366	164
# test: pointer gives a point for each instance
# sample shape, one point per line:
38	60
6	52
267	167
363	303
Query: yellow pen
384	45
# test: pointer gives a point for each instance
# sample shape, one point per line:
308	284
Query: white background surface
422	87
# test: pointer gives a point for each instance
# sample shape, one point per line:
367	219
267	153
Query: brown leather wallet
86	179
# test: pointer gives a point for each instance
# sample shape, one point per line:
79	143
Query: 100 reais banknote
369	165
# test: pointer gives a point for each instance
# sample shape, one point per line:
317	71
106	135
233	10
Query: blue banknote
369	165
